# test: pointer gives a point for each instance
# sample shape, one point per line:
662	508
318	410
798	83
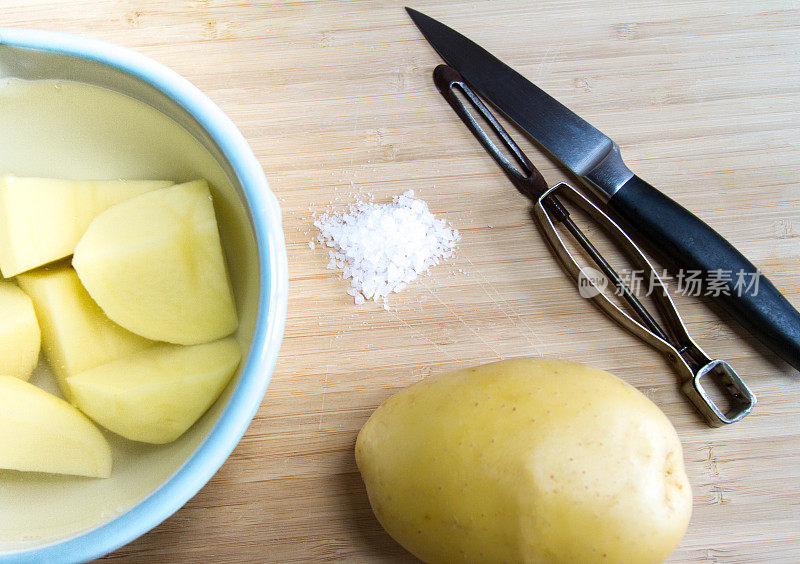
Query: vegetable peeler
701	375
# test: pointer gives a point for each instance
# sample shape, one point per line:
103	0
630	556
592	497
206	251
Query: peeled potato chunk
20	338
41	219
526	460
155	395
155	265
42	433
76	334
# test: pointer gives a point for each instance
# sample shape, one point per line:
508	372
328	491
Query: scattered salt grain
311	244
381	248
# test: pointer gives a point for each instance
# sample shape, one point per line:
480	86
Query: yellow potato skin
526	460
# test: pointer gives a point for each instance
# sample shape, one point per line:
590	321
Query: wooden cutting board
337	102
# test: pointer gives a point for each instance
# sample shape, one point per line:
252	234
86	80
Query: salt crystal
311	244
383	247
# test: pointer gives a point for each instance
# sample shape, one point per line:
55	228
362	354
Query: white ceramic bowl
162	127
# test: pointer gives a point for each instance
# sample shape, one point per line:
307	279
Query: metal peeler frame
691	362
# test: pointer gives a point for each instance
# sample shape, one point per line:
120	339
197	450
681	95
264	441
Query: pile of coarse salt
383	247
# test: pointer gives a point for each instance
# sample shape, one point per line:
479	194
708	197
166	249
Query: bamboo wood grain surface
337	102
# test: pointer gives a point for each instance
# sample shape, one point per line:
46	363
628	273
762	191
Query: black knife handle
685	242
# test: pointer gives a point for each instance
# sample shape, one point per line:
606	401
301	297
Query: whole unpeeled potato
526	460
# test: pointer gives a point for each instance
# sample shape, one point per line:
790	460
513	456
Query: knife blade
671	232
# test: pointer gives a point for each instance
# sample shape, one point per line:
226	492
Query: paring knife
673	233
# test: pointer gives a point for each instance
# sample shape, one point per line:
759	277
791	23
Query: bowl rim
263	206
